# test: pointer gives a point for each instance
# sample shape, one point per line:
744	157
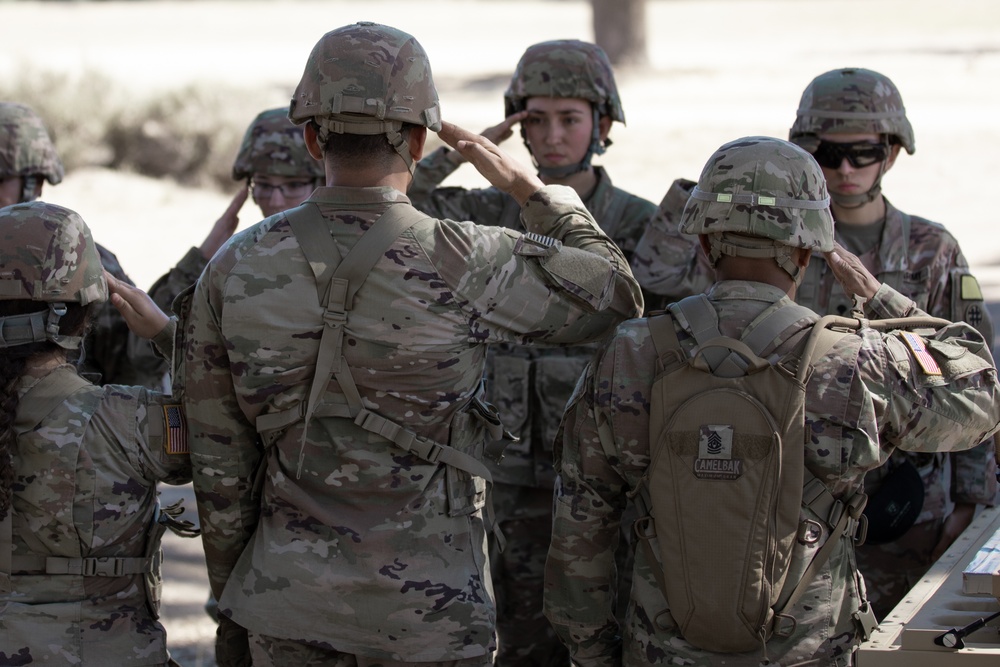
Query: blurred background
147	102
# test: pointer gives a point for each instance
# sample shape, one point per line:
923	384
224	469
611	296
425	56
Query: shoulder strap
841	518
344	281
339	280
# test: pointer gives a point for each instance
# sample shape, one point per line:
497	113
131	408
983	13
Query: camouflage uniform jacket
360	544
917	257
112	354
176	280
529	386
866	381
85	488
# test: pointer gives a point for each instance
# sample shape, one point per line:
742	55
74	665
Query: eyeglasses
831	154
291	190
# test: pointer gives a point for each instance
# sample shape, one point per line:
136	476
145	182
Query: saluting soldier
334	363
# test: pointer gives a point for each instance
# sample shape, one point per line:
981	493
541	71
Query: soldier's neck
866	214
583	182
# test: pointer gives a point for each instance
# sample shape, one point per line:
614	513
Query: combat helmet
367	79
26	151
567	68
761	197
273	145
852	101
47	254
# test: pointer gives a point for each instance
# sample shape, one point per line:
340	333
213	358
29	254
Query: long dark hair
13	362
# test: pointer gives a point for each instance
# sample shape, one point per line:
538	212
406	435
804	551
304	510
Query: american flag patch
175	440
923	357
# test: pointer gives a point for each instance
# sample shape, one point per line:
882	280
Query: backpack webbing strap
49	393
843	520
344	281
86	567
696	315
770	328
840	517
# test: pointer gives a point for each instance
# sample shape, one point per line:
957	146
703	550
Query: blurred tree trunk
620	29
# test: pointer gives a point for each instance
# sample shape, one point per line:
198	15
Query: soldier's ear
416	140
604	127
312	141
893	154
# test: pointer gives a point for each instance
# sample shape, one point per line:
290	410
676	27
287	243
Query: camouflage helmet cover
366	78
48	254
763	187
565	68
851	101
25	146
273	145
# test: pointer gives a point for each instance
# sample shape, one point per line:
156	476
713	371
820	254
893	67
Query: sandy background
719	69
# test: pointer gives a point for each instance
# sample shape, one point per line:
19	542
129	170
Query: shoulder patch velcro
970	289
175	438
921	354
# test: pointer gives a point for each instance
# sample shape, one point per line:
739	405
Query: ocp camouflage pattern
359	543
85	487
865	397
273	145
565	68
25	146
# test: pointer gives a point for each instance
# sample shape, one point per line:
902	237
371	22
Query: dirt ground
719	69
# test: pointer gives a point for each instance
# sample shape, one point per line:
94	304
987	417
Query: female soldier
80	524
564	96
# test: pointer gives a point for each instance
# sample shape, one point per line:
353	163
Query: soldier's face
10	190
558	129
847	178
274	194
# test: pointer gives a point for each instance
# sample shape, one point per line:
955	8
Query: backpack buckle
783	625
809	532
866	621
860	532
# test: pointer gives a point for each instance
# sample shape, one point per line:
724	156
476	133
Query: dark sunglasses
831	154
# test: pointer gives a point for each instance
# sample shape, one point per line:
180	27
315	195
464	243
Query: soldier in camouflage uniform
363	541
27	159
80	524
854	122
276	167
868	380
564	96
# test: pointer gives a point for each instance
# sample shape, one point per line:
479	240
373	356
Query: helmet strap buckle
56	312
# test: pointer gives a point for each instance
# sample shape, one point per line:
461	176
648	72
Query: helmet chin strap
597	147
739	245
30	184
351	124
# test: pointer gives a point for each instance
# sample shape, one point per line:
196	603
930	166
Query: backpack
719	504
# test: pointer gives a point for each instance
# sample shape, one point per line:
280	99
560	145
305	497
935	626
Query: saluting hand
142	315
853	276
225	225
501	170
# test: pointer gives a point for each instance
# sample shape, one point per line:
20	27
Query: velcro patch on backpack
715	453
